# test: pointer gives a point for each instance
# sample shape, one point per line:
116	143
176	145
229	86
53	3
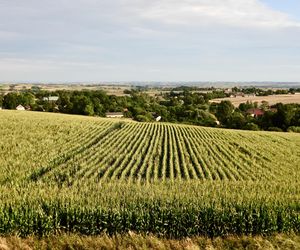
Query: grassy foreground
133	241
93	176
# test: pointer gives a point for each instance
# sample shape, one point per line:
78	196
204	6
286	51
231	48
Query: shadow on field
66	156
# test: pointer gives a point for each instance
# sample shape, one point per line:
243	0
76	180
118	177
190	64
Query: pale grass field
117	90
273	99
139	242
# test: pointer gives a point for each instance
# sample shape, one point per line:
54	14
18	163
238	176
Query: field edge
139	241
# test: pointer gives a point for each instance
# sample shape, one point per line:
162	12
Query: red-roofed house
255	112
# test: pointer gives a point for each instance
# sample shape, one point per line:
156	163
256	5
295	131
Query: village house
255	112
27	107
50	98
228	91
156	117
20	107
239	94
114	115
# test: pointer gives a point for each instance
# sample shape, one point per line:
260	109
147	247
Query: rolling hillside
94	175
66	149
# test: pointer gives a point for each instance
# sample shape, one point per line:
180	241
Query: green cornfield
63	173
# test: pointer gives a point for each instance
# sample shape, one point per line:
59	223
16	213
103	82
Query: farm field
112	89
272	99
87	175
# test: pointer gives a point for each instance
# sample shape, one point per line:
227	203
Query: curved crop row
105	149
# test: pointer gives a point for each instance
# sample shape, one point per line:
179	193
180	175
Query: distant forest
180	105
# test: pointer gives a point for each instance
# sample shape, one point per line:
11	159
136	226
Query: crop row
149	152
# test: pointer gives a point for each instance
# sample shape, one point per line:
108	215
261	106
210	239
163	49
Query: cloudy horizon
139	40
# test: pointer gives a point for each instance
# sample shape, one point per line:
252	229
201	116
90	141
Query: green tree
98	107
224	111
246	106
284	116
10	100
1	100
144	118
251	126
64	103
236	120
27	99
264	105
204	118
82	105
89	109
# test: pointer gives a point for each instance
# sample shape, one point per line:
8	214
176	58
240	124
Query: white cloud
144	13
145	39
35	65
240	13
7	35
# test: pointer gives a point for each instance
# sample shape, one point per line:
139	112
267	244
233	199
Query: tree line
175	106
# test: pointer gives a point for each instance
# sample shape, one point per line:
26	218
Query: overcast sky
149	40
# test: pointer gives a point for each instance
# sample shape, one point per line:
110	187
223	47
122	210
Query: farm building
51	98
27	107
20	107
114	115
239	94
227	91
156	117
255	112
274	110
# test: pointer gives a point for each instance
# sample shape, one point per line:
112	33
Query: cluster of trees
13	99
278	117
264	92
71	102
175	106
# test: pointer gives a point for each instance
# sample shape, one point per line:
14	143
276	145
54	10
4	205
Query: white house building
114	115
50	98
20	107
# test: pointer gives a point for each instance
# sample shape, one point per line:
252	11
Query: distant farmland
94	175
272	99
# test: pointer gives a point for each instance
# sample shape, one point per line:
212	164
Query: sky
142	40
